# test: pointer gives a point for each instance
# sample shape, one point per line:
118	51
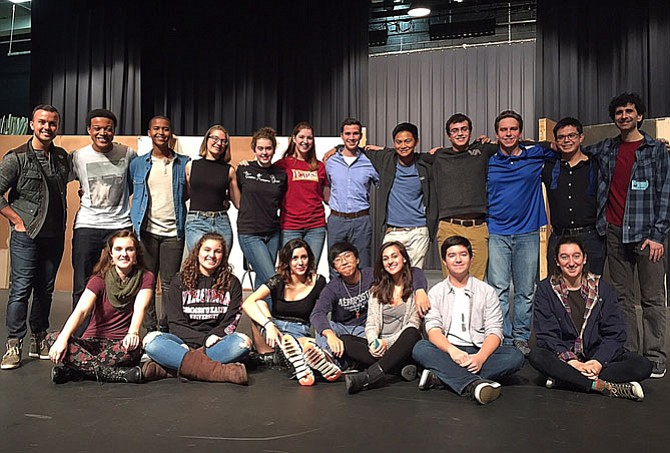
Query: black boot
109	374
364	380
63	374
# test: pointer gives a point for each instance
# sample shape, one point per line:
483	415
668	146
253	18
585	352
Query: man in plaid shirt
634	211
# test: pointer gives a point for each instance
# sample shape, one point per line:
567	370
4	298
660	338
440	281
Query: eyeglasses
215	139
572	136
341	258
456	130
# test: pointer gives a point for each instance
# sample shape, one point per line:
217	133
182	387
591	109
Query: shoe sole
408	373
487	393
293	352
425	376
317	359
9	367
658	375
34	355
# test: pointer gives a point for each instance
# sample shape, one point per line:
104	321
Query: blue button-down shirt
648	199
350	184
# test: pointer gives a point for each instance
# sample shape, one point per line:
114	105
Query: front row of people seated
363	319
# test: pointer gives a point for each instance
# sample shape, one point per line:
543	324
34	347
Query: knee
420	349
149	338
245	342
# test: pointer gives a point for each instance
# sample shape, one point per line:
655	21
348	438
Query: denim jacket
139	174
21	174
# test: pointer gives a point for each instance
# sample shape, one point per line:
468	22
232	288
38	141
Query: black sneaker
658	371
429	381
408	373
483	391
628	390
38	346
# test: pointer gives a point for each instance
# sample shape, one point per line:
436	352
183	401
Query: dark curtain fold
588	52
244	65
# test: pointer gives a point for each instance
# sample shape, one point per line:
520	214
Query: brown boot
198	367
152	371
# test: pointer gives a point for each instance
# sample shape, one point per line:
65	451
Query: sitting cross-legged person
464	326
203	309
581	332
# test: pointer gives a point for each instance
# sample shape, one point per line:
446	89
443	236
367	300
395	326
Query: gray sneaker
38	346
12	358
628	390
522	345
483	391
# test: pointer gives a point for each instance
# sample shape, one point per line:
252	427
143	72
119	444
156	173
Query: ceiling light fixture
418	9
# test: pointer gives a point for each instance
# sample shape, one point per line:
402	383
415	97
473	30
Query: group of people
481	203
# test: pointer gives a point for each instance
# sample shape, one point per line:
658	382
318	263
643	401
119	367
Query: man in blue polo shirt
515	215
351	174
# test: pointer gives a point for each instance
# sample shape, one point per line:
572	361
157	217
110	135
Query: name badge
639	185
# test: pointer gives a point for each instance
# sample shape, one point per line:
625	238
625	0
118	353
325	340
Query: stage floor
275	414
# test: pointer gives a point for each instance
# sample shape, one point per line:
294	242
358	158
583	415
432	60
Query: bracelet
133	333
267	322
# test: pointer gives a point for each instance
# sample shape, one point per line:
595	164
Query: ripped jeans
169	350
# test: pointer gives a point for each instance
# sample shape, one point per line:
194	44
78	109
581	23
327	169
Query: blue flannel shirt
647	211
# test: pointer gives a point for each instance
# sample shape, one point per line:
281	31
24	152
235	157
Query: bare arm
255	308
233	188
81	311
132	338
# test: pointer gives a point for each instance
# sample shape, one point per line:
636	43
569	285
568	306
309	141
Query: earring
404	261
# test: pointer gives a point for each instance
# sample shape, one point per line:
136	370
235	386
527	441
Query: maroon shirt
623	167
106	321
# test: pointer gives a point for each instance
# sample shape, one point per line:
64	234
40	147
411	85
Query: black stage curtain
588	52
244	65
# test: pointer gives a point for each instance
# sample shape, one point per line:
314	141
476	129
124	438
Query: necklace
358	292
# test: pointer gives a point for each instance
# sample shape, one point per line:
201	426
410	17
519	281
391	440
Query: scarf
589	292
121	293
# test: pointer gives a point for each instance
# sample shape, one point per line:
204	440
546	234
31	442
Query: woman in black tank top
212	186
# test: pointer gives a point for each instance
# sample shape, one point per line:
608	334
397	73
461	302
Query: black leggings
397	356
625	368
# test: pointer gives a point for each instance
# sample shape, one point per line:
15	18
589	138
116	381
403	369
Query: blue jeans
514	257
315	237
169	350
261	254
295	329
340	329
504	361
201	222
356	231
34	264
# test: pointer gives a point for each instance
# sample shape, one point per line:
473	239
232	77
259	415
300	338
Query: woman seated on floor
116	297
580	331
293	291
392	327
203	308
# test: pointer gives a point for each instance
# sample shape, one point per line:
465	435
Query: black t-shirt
53	221
262	192
209	184
299	309
577	308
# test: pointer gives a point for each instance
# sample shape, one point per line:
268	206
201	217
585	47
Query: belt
464	222
208	214
394	228
350	215
575	231
291	319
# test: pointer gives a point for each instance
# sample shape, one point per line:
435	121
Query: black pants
625	368
397	356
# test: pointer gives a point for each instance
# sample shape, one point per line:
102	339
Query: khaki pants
416	241
478	236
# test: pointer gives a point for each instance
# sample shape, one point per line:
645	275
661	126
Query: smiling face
45	126
264	151
568	139
508	134
351	136
404	143
299	264
459	135
393	260
457	261
210	256
626	117
570	260
304	141
123	254
160	132
101	132
217	143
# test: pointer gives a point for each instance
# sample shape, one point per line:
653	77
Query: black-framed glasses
215	139
572	136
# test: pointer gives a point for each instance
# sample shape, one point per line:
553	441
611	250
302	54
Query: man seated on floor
464	326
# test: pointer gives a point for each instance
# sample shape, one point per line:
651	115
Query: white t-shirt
105	203
161	219
459	331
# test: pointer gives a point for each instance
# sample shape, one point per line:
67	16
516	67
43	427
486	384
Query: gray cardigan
375	321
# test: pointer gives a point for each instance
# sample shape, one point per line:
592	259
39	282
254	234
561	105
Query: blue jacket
139	173
605	332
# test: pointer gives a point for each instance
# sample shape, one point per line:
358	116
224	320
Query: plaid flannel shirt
647	210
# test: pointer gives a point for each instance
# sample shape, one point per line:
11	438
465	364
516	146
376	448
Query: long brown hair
105	261
291	151
382	288
190	269
286	254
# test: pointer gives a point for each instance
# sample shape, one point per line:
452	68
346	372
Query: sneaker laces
623	390
293	353
12	350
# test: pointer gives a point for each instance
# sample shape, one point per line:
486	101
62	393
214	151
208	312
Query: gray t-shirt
105	202
393	316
